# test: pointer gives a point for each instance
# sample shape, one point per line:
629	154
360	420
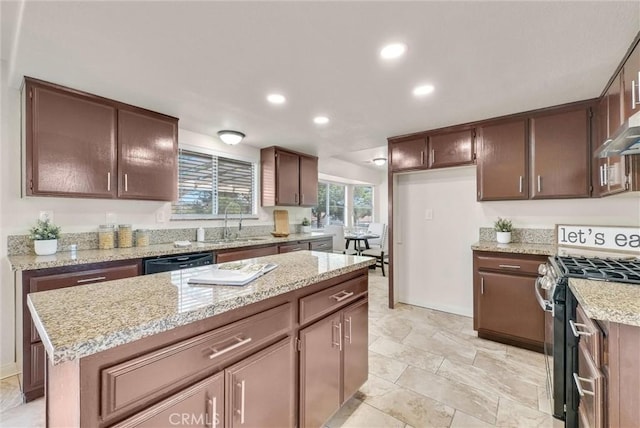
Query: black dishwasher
181	261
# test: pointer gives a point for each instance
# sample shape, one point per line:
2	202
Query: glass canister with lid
142	238
106	236
125	236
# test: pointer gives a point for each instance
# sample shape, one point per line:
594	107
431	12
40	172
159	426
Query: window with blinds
208	185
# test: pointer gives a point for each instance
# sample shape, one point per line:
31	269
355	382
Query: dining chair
338	239
381	253
376	229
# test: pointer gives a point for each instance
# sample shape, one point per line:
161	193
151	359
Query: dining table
358	238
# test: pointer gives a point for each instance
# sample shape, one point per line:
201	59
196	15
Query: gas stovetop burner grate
618	270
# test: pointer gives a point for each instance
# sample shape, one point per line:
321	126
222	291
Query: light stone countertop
79	321
516	248
67	258
608	301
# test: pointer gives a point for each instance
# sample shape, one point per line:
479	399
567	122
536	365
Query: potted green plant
45	237
306	225
503	229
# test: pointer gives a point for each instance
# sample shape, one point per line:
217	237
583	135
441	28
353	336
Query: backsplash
22	244
529	236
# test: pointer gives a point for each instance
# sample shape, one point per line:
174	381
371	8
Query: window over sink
210	184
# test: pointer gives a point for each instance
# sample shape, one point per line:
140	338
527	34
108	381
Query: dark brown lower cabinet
333	362
201	405
293	246
505	305
245	253
260	389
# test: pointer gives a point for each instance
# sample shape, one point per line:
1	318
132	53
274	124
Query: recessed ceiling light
421	90
276	98
321	120
393	50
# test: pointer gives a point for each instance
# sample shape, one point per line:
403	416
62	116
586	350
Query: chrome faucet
227	230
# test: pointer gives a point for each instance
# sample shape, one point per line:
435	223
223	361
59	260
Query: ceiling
212	63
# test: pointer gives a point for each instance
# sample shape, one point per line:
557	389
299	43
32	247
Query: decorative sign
618	238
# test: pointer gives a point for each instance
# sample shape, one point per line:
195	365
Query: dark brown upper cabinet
451	149
408	154
288	178
631	84
147	157
612	173
502	161
560	154
81	145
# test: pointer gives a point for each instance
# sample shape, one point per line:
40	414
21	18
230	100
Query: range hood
625	142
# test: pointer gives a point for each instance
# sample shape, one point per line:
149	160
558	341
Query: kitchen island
287	349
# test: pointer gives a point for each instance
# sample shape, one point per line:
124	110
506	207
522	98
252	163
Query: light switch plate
46	215
428	214
110	218
160	216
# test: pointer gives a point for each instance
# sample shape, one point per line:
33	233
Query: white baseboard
8	370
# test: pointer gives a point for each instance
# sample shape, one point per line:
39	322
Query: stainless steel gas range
555	298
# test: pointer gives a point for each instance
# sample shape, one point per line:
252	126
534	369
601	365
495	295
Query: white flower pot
503	237
45	247
306	229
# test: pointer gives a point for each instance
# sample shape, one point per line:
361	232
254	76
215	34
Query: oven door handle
546	305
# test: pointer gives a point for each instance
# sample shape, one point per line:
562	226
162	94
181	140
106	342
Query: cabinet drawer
527	265
326	301
324	245
248	253
143	379
589	384
589	334
296	246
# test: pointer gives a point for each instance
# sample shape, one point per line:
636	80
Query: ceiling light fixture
422	90
380	161
393	50
321	120
276	98
231	137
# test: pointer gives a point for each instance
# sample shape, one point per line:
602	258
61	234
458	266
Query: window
209	184
330	208
362	205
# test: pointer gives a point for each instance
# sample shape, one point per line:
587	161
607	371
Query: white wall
433	264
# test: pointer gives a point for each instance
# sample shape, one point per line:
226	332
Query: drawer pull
577	333
214	412
240	343
509	266
348	320
241	410
182	259
342	295
97	278
577	379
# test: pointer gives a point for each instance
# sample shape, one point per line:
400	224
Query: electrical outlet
110	218
46	215
160	216
428	214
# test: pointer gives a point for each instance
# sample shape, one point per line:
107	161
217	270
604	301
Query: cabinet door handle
521	184
214	412
577	379
126	183
482	285
510	266
339	342
605	175
240	343
348	320
108	181
422	157
633	94
96	278
601	181
241	410
539	184
577	333
433	156
344	294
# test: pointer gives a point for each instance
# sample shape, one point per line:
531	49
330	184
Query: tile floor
426	369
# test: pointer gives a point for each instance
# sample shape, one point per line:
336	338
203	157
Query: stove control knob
543	269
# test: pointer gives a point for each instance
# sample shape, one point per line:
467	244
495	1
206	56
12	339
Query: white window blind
208	184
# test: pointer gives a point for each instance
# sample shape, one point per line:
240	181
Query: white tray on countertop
232	273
